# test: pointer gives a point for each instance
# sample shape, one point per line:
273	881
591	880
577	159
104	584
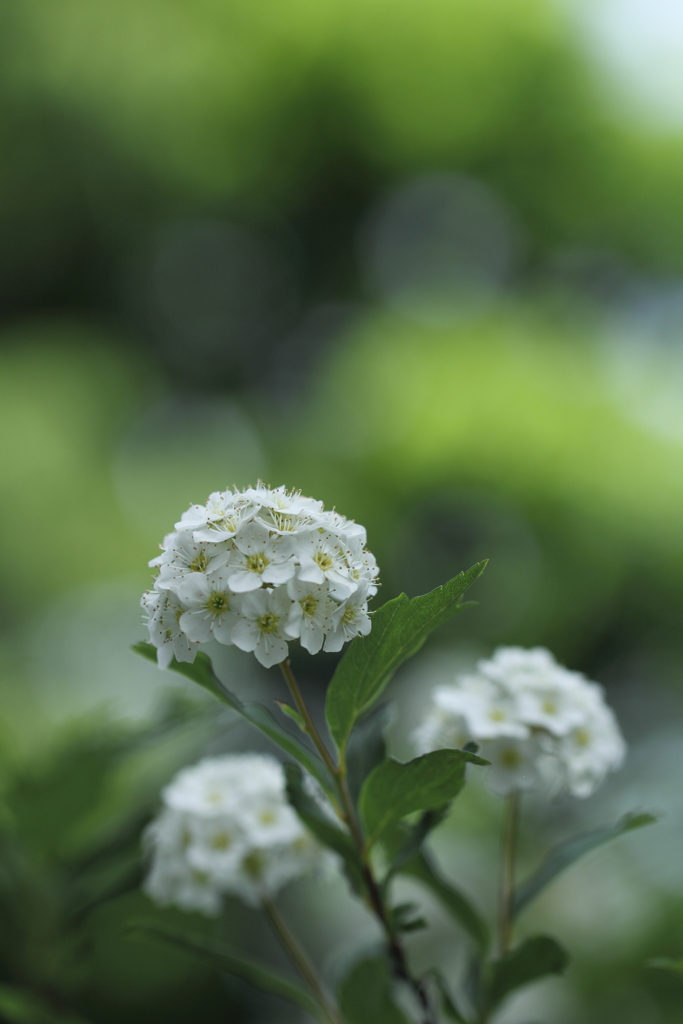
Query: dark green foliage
225	960
365	994
367	748
533	959
20	1007
394	789
70	846
399	629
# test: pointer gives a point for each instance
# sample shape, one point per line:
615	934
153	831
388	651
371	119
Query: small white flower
310	616
349	619
226	827
284	502
487	708
322	558
218	505
183	556
211	607
259	558
262	626
164	612
514	764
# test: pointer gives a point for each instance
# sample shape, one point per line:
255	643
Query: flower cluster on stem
258	568
541	726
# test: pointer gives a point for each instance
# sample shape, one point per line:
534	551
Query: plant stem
300	960
375	898
507	871
290	679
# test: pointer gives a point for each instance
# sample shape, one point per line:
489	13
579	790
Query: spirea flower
539	724
258	568
226	828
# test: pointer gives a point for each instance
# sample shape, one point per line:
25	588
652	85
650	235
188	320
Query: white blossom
183	555
164	612
226	828
307	568
541	726
262	625
310	617
258	558
350	618
211	607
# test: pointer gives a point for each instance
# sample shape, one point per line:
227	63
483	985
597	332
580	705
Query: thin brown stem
507	872
298	957
374	892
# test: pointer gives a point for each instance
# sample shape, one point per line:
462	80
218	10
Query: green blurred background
423	261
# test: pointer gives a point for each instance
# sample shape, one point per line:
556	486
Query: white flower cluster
226	827
540	725
257	568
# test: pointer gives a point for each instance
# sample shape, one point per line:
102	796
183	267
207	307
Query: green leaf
399	629
365	994
562	856
402	842
201	672
222	958
448	1004
322	827
457	905
404	918
366	748
663	963
395	789
18	1006
534	959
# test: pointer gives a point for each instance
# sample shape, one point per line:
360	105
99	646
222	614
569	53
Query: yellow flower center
323	560
218	603
349	615
221	841
268	623
200	563
257	563
549	706
309	605
582	737
254	863
497	715
510	758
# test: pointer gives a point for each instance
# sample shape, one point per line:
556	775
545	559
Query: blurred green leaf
399	629
201	672
404	918
534	959
402	842
366	747
322	827
567	853
663	963
365	994
20	1007
395	789
448	1004
455	902
222	958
